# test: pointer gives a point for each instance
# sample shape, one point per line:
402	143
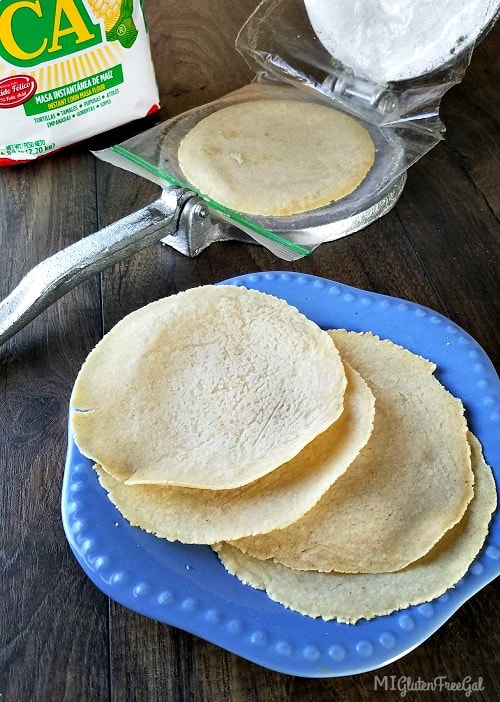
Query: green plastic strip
231	214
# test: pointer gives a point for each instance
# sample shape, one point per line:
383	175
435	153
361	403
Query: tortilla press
187	222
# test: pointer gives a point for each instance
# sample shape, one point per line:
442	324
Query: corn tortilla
276	157
198	516
409	485
211	388
351	597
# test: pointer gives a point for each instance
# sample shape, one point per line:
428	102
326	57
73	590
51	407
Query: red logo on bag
16	90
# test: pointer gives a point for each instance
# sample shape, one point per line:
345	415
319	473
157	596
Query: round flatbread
198	516
211	388
276	156
409	485
350	597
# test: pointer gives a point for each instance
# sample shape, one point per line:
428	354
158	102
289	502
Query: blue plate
187	587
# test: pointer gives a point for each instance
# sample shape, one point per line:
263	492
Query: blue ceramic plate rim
187	587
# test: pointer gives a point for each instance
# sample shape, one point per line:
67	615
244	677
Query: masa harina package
70	69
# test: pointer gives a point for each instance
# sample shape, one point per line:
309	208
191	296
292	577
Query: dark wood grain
43	596
60	639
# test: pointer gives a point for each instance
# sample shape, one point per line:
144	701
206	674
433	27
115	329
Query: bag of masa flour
70	69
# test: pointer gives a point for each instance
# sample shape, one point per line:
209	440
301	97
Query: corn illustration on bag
70	69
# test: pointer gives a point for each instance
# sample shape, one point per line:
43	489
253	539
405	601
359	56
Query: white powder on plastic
390	40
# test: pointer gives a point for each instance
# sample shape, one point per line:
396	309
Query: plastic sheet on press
388	63
322	51
153	154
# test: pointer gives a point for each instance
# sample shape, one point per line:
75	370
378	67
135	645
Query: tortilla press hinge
198	227
361	91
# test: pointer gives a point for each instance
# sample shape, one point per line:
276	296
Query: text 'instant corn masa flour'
70	69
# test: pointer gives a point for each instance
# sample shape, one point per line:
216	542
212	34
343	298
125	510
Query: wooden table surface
61	639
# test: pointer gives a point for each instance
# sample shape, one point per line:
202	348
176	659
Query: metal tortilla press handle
54	277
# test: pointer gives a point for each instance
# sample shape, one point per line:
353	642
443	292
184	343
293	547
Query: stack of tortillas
331	469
